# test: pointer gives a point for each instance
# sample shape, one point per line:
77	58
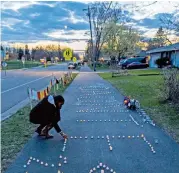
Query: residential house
142	53
171	52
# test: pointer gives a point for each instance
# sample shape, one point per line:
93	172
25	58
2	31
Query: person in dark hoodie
47	114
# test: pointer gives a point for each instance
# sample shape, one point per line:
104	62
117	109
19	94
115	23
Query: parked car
137	65
131	60
121	62
71	65
79	63
48	59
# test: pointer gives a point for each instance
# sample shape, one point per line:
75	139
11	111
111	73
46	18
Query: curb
21	69
14	109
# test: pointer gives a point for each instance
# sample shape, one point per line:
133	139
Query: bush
171	84
98	64
161	62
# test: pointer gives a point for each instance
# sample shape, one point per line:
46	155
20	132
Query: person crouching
47	114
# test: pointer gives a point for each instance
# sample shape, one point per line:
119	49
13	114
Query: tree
27	54
60	52
33	53
20	53
103	13
160	38
151	44
121	41
2	49
171	21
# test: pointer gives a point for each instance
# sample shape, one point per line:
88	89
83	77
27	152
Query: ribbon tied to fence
55	83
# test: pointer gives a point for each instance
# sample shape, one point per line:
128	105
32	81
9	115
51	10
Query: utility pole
89	15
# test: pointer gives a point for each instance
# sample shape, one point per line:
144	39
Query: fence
54	82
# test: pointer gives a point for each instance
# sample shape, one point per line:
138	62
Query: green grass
102	67
14	64
144	71
16	131
147	90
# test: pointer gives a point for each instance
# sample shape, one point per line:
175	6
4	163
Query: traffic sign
67	54
4	64
74	59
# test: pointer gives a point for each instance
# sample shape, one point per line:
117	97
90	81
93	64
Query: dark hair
58	99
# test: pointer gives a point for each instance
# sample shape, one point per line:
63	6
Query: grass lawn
146	89
144	71
102	67
16	131
14	64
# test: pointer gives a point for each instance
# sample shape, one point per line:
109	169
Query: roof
165	48
142	53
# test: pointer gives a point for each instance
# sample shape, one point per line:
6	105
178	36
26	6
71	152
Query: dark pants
48	127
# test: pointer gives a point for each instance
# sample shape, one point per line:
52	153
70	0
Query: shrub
171	84
162	62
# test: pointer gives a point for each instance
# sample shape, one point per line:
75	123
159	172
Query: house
171	52
142	53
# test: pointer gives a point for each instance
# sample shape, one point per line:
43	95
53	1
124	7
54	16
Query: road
14	85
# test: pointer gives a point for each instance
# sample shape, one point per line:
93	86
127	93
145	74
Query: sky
66	22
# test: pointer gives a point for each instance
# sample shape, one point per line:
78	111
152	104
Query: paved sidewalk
92	111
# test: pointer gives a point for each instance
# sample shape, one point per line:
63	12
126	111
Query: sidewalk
93	109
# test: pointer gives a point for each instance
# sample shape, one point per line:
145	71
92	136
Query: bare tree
49	50
170	22
103	13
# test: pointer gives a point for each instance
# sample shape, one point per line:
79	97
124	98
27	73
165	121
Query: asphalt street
14	85
103	137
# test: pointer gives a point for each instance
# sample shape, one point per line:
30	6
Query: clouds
16	6
10	22
76	19
34	14
145	16
45	20
73	17
34	21
141	10
68	35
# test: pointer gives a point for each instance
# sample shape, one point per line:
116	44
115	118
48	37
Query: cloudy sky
34	21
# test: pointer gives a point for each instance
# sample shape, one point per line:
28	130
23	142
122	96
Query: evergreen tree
160	38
